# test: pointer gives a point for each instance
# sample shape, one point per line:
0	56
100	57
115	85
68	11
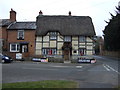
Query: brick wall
4	37
29	36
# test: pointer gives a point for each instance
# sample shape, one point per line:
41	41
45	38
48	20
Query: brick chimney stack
12	15
69	13
40	13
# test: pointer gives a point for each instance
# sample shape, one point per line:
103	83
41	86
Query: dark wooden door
66	54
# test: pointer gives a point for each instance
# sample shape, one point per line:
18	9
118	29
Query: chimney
69	13
40	13
12	15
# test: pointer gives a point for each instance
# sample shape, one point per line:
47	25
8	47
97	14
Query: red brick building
4	23
21	39
18	37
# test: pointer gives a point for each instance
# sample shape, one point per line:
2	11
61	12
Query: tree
112	32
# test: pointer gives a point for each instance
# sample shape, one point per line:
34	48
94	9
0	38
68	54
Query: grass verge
42	84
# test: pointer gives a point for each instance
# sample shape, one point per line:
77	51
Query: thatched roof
65	25
22	25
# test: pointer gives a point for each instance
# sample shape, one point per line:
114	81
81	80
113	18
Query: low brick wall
57	60
112	53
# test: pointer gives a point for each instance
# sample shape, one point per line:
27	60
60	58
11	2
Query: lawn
42	84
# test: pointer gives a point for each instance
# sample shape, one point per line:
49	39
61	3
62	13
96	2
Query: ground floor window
18	47
82	51
49	51
14	47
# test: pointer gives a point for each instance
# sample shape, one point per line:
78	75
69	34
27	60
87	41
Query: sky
28	10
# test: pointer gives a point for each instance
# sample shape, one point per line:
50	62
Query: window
49	51
67	38
20	35
82	51
14	47
81	39
53	35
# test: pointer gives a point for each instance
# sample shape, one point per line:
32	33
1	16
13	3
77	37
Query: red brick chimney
12	15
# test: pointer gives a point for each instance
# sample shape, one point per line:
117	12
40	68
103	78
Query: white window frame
67	38
53	35
17	47
82	38
18	35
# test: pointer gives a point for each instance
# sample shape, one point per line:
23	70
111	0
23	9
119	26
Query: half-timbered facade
64	36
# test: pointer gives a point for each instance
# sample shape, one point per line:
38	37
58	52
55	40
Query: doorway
24	48
67	50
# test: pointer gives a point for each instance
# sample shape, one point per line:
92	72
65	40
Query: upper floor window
53	35
20	34
81	38
67	38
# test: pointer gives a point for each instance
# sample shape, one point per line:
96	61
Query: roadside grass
118	87
42	84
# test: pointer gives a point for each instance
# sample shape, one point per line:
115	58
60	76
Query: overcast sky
27	10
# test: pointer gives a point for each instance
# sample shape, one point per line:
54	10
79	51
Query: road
103	74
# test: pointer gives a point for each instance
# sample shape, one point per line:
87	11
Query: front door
24	48
67	50
66	54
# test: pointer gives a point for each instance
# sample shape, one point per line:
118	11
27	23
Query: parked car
5	58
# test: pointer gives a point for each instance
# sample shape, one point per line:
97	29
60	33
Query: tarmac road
103	74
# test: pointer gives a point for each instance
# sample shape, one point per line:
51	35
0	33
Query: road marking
79	66
106	67
68	66
112	69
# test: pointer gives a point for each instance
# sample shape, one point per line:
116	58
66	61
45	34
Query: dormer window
67	38
20	35
53	35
